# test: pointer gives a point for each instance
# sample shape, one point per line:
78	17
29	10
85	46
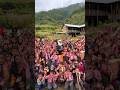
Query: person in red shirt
51	78
68	80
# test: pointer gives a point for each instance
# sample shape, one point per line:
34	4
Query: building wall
73	30
100	12
65	29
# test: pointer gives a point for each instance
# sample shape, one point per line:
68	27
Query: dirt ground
59	88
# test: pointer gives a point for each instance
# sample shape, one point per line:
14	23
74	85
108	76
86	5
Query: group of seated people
27	62
100	51
16	59
59	63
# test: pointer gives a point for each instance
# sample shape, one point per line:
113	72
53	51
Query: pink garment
52	78
71	56
68	76
1	31
81	68
49	78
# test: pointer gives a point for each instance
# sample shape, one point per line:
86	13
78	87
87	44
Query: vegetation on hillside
77	17
49	22
73	14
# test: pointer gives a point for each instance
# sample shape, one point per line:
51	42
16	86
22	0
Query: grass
48	30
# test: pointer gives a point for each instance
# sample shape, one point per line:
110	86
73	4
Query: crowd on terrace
50	64
60	62
16	59
101	50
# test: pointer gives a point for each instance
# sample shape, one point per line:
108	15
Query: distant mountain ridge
74	14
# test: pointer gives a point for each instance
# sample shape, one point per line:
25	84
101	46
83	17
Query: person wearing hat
59	46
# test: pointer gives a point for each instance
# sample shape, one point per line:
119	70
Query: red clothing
52	78
68	76
81	68
1	31
49	78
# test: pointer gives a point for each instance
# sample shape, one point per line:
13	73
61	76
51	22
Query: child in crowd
40	82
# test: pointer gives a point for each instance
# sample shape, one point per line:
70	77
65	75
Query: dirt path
59	88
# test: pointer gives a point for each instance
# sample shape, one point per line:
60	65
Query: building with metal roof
78	26
73	30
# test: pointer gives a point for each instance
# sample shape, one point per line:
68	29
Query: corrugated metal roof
102	1
78	26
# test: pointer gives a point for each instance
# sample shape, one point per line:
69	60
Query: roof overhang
102	1
76	26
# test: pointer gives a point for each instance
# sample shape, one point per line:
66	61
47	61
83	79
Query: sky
45	5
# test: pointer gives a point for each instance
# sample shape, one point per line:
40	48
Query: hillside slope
77	17
73	14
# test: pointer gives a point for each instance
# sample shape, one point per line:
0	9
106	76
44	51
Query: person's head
59	42
52	67
76	63
77	70
67	69
40	76
51	72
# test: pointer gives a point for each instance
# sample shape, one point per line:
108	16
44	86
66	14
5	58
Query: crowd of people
16	59
53	68
59	63
27	62
100	51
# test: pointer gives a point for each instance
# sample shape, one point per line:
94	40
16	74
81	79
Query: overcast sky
45	5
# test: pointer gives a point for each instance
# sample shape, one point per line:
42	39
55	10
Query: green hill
73	14
77	17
